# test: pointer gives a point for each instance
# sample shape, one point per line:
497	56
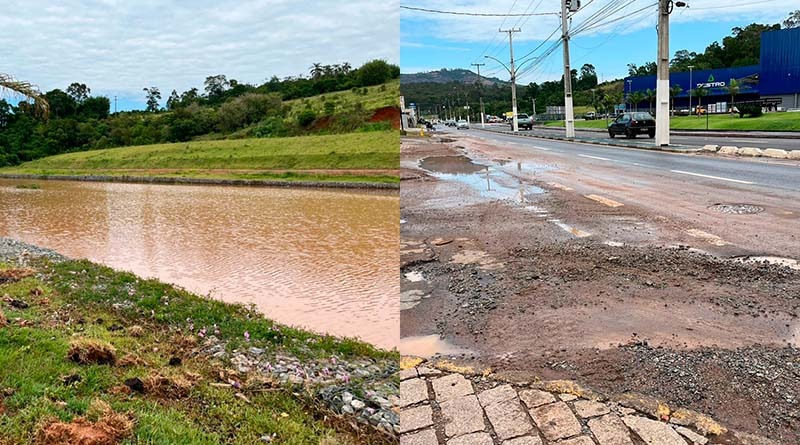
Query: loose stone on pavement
653	432
451	386
462	415
556	421
413	419
413	391
609	430
478	410
472	439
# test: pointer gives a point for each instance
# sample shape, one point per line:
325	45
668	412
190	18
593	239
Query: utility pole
691	87
569	115
513	77
115	104
480	89
662	82
533	100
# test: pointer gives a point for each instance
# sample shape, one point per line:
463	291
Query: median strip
604	200
712	177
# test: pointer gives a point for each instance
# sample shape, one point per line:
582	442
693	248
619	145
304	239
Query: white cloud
118	47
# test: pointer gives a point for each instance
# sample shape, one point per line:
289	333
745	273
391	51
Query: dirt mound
109	428
14	275
391	114
174	387
86	352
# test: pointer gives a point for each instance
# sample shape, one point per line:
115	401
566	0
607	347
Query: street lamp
513	73
691	67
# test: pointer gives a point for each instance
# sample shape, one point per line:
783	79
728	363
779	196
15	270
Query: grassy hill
354	157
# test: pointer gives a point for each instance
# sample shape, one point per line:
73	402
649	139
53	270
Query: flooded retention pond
322	259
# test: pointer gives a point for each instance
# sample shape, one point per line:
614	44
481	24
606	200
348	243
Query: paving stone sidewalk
446	408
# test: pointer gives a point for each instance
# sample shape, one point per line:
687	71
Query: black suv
631	124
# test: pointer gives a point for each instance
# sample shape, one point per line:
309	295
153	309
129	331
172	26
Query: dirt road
548	265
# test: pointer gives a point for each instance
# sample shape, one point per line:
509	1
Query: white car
462	125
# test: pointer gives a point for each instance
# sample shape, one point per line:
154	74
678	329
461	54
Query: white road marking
540	148
559	186
712	177
751	140
712	239
596	157
567	228
604	200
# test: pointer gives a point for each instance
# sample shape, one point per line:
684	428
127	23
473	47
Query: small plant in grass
752	110
29	186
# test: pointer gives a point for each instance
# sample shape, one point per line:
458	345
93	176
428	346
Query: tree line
76	120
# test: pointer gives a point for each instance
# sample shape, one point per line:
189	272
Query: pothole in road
451	165
737	209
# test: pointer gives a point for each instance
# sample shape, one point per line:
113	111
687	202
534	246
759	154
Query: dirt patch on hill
391	114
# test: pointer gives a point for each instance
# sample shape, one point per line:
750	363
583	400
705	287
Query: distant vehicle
523	121
462	125
590	116
450	123
631	124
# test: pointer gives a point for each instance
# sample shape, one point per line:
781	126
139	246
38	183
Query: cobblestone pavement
448	408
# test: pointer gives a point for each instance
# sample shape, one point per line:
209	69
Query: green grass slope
354	157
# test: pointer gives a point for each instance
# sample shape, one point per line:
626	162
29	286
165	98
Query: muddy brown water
321	259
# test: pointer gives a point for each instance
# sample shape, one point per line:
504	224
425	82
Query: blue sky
432	41
118	47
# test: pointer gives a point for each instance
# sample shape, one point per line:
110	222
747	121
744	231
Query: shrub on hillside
306	117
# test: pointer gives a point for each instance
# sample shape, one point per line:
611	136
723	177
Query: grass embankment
355	157
766	122
82	310
376	97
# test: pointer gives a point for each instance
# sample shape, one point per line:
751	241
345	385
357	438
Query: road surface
786	142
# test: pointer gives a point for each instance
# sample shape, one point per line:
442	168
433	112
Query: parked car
631	124
462	125
450	123
590	116
523	121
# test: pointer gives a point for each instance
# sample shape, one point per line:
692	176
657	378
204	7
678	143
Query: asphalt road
789	142
746	173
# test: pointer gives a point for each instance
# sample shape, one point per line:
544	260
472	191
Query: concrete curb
759	134
614	143
207	181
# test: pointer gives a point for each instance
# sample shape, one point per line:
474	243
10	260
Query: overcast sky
117	47
431	41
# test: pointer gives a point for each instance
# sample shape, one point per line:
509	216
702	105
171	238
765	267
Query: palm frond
27	91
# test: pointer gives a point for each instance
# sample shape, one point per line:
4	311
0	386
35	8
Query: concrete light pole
513	73
662	82
513	77
480	92
569	116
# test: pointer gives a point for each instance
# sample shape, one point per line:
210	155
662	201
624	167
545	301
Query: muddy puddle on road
428	346
490	181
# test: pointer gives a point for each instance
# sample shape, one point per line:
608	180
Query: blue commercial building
775	81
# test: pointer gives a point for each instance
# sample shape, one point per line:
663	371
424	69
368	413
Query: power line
476	14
